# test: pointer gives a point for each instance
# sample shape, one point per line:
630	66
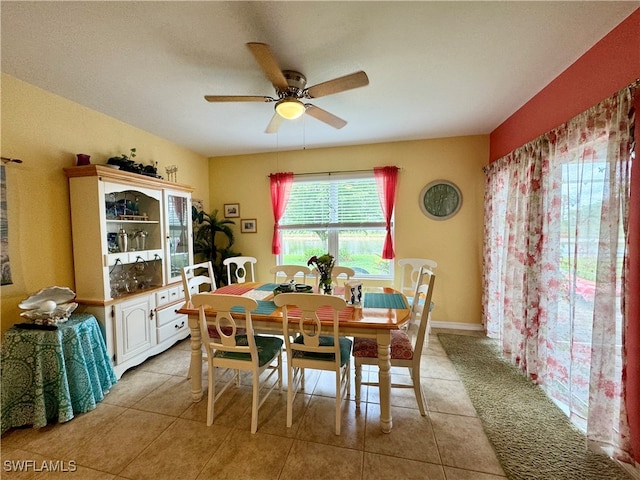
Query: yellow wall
456	244
46	131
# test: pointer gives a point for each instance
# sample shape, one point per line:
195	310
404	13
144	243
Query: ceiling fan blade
269	65
348	82
324	116
274	124
237	98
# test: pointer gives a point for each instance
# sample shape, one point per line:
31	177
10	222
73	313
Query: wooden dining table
382	310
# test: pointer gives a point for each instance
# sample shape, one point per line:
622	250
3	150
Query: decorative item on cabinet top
108	173
125	162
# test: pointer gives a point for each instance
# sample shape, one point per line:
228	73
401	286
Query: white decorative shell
60	295
59	315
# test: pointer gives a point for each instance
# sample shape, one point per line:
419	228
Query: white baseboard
633	470
457	326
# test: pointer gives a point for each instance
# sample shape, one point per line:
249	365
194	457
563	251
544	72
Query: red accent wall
611	64
608	66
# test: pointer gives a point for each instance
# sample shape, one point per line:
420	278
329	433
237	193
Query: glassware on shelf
140	238
111	207
123	240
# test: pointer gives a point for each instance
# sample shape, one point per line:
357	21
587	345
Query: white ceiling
436	69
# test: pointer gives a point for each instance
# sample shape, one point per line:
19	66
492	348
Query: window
339	214
585	175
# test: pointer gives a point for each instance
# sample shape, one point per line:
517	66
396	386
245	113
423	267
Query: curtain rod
10	160
334	172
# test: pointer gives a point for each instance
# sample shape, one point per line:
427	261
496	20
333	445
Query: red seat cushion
401	348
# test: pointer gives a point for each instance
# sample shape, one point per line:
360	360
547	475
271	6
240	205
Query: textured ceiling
436	69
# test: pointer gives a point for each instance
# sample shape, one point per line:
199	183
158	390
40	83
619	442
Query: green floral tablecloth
53	374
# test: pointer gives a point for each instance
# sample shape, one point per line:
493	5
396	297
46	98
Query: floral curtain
556	220
387	180
280	189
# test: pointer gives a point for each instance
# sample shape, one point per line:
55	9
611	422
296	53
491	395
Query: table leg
195	368
384	380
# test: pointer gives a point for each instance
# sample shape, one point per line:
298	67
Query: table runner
384	300
265	307
52	375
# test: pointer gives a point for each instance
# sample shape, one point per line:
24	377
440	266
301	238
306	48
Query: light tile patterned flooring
148	428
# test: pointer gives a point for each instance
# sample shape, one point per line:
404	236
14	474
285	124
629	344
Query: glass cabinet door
178	246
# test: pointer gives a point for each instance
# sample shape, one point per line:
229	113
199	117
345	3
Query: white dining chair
198	278
237	266
406	347
307	348
289	272
409	270
233	351
337	273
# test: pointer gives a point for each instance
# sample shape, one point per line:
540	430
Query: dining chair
337	272
239	268
307	348
289	271
406	347
234	352
409	270
194	277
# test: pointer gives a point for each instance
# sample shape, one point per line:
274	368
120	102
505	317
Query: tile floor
147	427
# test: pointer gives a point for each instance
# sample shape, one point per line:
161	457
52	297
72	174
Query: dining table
381	310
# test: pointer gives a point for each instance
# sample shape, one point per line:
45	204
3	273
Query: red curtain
386	180
280	189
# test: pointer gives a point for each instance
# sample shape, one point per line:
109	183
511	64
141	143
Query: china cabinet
131	237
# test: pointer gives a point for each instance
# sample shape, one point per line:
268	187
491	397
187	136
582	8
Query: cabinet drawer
162	297
112	258
154	254
176	293
168	315
178	324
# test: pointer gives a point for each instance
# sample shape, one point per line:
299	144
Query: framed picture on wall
231	210
248	225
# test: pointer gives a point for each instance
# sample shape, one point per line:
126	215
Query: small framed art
231	210
248	225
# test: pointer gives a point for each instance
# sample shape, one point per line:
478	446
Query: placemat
264	308
234	289
268	286
325	313
384	300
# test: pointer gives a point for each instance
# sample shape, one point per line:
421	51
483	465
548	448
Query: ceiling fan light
290	108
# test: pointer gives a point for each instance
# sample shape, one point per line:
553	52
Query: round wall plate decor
440	200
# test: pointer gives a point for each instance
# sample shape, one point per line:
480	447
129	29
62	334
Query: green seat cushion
268	348
326	341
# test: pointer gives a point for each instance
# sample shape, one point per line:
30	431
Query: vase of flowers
324	264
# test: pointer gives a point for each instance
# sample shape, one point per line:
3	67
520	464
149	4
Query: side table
53	374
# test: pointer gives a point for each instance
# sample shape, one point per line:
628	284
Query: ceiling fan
291	91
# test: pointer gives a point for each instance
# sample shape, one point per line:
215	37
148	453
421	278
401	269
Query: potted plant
209	246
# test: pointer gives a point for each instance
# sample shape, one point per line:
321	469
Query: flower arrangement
324	264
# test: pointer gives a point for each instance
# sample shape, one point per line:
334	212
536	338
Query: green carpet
533	439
